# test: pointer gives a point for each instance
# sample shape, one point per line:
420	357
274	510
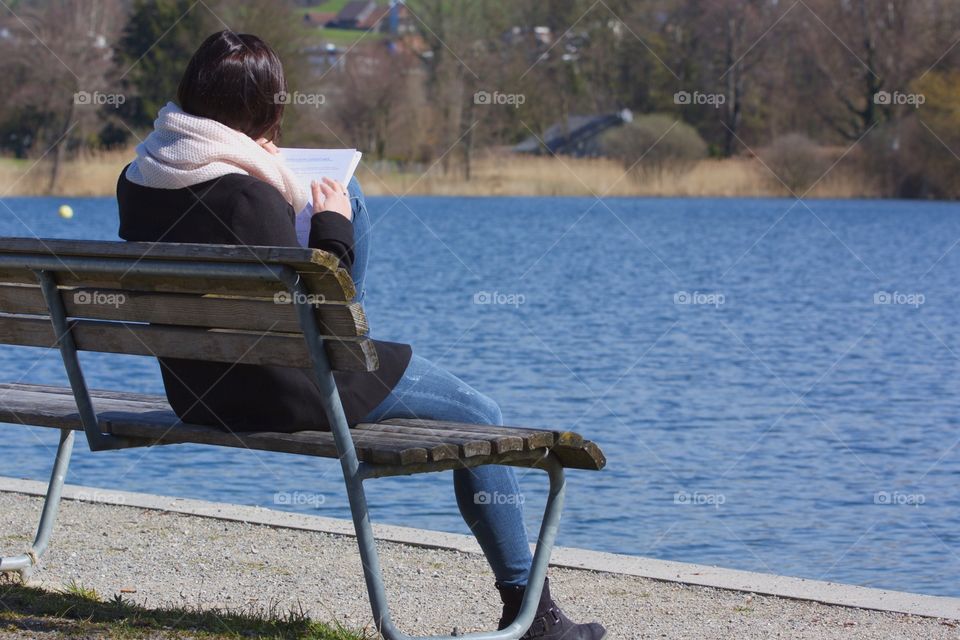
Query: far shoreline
491	175
586	196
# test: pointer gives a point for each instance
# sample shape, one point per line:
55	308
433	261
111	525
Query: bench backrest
216	303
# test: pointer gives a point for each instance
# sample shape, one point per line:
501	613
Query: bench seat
397	442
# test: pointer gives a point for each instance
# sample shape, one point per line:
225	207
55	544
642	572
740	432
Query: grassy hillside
338	37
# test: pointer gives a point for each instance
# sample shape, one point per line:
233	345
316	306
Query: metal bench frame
354	471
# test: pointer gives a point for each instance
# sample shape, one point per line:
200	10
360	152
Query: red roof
376	18
318	18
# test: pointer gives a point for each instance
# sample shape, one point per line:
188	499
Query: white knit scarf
184	150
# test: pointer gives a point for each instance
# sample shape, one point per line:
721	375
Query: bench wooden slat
59	410
157	429
585	456
332	286
157	423
150	417
320	270
143	399
436	449
532	438
463	446
302	259
287	350
220	312
502	439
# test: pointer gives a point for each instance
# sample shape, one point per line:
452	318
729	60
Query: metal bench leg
26	562
354	474
71	362
538	570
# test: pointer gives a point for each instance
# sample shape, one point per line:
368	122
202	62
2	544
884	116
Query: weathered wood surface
531	438
394	442
327	285
215	312
300	258
260	348
319	270
240	322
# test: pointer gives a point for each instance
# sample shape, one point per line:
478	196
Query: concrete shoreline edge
663	570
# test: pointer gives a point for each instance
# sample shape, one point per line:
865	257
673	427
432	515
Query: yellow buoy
65	211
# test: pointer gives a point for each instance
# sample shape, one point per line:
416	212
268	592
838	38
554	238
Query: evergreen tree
153	51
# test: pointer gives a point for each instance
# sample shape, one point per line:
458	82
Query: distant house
369	15
319	19
542	36
577	136
353	14
378	20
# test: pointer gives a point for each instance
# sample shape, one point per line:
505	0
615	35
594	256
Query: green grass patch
14	163
331	6
339	37
80	610
346	37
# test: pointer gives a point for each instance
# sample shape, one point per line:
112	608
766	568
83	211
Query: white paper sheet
315	164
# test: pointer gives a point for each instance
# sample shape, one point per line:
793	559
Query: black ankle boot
549	623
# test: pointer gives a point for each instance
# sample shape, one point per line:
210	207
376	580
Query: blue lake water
776	386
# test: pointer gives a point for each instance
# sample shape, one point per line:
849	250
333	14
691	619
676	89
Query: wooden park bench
256	305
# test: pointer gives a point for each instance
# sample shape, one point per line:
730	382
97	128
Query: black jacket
240	209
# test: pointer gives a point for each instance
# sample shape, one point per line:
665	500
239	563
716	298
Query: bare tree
724	46
858	48
63	48
368	95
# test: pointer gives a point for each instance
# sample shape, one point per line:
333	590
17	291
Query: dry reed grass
548	176
90	174
95	174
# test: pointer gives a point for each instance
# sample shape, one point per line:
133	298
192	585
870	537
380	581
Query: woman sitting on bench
210	173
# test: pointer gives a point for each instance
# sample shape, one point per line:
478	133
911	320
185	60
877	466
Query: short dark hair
235	79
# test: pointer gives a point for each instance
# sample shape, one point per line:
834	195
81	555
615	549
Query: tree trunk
468	135
60	149
733	91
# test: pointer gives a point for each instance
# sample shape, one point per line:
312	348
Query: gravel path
172	559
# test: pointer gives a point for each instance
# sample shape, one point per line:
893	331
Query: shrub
796	160
654	143
926	141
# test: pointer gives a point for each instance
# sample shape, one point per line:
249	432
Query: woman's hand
268	146
330	195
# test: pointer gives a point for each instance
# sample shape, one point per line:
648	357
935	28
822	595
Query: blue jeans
361	236
489	497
